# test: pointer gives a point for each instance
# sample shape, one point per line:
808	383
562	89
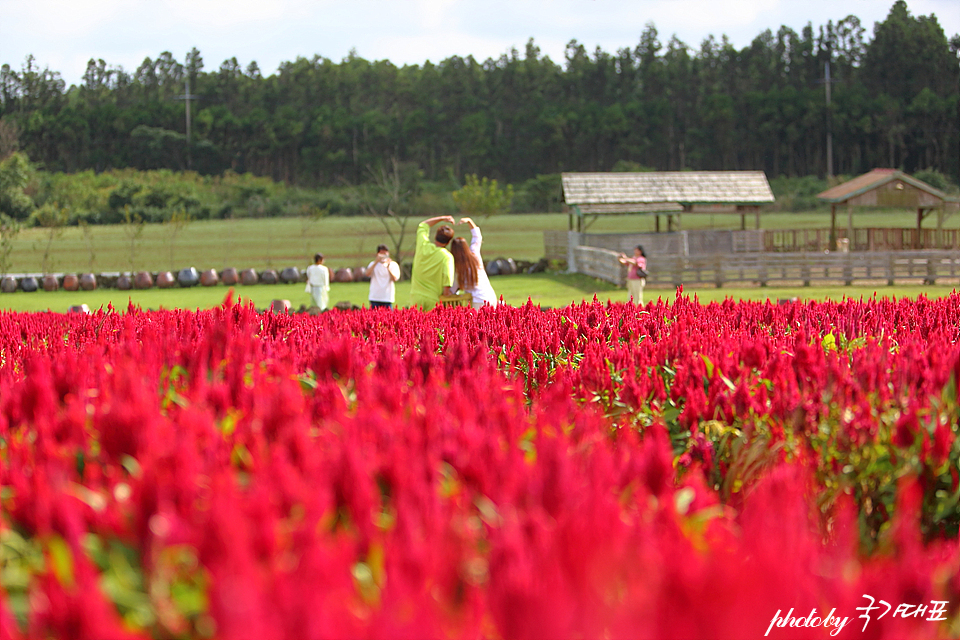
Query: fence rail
779	268
707	242
864	239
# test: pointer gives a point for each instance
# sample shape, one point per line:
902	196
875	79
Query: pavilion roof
663	191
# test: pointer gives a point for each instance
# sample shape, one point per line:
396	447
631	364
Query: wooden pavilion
670	193
891	189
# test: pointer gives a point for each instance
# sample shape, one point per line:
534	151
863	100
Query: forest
315	122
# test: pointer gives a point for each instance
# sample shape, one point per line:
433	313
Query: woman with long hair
470	275
636	273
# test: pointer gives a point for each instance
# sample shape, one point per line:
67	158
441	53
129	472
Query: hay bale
209	278
165	280
188	277
249	277
290	275
143	280
269	277
501	267
50	283
229	277
29	284
88	282
71	282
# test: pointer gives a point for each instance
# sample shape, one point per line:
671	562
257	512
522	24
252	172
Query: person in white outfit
471	276
318	282
383	272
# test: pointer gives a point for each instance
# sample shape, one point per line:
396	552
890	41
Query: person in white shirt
471	276
318	282
383	272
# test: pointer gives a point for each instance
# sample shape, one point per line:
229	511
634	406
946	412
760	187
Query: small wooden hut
890	189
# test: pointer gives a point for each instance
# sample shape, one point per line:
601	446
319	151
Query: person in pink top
636	273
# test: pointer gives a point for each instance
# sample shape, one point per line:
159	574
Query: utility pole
187	98
826	81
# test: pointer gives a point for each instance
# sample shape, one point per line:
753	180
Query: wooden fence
765	269
706	242
865	239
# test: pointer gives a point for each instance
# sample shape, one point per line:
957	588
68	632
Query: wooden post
678	271
917	243
850	227
931	271
833	226
940	243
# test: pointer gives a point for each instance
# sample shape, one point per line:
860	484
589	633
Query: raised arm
469	221
432	221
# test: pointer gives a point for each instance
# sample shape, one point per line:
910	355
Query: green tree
483	196
15	174
913	72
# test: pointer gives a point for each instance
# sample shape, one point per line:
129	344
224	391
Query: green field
346	241
351	241
547	290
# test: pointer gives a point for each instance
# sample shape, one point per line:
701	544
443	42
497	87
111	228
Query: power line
187	98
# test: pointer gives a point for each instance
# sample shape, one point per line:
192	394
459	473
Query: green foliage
543	194
15	174
936	180
482	197
627	166
664	105
797	194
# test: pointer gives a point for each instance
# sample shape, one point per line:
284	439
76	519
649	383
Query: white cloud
64	35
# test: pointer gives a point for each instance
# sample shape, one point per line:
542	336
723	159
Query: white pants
635	289
320	296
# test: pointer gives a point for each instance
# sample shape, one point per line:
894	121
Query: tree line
315	122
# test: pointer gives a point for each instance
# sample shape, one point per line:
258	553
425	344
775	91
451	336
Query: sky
63	35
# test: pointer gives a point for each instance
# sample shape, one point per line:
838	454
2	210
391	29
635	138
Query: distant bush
542	194
797	194
936	180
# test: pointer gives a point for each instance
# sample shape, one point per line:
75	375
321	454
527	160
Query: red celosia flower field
734	470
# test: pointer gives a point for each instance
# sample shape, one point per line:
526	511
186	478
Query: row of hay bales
188	277
191	277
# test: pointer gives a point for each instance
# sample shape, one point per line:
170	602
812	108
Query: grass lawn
346	241
545	289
